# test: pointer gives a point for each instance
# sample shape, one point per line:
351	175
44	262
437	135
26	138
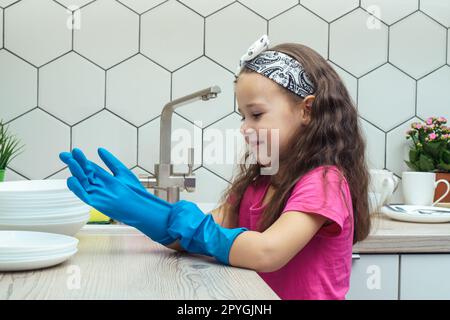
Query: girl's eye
254	115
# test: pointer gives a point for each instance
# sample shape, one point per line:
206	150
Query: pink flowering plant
430	149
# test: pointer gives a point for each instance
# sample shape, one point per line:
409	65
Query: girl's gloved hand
121	197
120	171
199	233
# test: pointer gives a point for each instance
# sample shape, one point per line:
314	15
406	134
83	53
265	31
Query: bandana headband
277	66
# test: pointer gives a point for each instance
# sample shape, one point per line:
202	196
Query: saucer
420	214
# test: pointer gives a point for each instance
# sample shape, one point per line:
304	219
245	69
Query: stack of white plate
41	205
27	250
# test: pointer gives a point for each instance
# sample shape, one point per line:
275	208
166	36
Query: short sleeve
327	196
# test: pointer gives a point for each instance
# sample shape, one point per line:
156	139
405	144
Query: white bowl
66	228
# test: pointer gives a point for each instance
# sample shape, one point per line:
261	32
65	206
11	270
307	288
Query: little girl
295	227
306	217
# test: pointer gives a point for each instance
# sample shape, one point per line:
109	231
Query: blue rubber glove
198	233
120	171
125	202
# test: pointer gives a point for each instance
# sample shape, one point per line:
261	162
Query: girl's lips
253	143
256	144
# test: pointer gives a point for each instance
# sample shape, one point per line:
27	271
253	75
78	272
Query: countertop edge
404	244
377	242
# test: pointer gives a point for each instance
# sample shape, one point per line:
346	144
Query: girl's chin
263	160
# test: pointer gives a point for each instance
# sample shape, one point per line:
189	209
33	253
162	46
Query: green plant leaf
9	146
444	166
412	166
413	155
426	163
446	156
433	148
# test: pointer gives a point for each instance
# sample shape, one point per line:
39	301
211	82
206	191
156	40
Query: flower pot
441	188
2	175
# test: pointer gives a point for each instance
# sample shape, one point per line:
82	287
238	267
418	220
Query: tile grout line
204	53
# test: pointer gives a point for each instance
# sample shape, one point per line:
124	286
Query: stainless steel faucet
166	183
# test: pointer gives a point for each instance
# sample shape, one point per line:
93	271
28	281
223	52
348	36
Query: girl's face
264	109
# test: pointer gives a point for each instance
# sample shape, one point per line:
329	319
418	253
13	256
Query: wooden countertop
128	265
391	236
118	262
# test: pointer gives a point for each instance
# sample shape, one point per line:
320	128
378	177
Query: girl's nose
245	130
248	133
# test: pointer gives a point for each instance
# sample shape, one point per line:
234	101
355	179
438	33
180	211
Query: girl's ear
306	107
308	101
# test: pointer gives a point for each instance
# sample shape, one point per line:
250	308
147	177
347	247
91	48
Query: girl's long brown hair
332	137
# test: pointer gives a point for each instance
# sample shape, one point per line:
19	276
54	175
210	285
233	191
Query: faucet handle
190	160
189	178
149	182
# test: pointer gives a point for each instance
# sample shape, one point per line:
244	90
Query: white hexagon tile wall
1	28
90	73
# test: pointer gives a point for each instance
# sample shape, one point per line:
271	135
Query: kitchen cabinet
403	277
425	276
374	277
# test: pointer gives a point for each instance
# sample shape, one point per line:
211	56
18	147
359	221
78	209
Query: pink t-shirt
321	270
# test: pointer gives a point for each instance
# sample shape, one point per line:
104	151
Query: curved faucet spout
166	118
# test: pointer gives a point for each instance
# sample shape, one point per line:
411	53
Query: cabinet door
425	276
374	277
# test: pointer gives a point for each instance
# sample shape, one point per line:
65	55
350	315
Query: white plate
44	206
31	241
61	195
50	186
17	256
23	254
51	220
65	208
44	219
39	211
13	202
67	228
8	198
416	216
43	214
35	263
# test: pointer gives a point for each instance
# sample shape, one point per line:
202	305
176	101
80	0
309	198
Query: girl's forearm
250	251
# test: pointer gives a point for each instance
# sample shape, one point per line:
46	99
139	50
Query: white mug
419	187
382	185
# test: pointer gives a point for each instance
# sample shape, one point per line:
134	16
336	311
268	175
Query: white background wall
103	77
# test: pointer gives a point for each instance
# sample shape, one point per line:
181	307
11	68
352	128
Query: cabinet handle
356	256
